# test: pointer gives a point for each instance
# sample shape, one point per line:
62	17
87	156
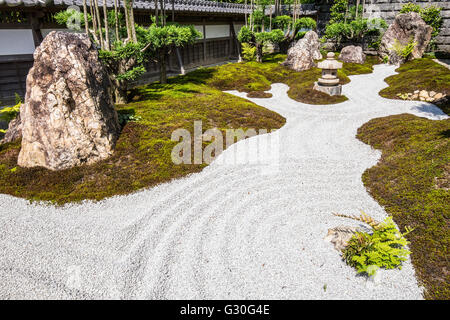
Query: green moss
412	182
419	74
253	77
142	157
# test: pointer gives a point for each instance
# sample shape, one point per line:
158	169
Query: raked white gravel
241	231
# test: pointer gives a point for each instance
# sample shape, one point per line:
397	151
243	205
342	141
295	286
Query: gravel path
231	231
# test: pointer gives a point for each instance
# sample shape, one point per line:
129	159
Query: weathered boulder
405	28
301	56
352	54
68	117
14	131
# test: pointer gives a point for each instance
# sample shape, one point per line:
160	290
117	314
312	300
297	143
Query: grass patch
420	74
142	157
412	182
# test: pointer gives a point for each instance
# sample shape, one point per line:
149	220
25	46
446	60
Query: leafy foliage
170	35
69	16
384	248
305	23
354	29
404	51
259	39
248	52
337	11
10	113
281	22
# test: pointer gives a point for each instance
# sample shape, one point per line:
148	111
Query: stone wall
389	8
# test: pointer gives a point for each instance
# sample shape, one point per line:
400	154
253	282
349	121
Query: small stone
352	54
432	94
340	236
423	94
416	92
414	96
430	99
438	96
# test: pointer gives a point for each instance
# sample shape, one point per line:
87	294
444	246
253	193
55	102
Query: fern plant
248	52
8	114
385	247
404	51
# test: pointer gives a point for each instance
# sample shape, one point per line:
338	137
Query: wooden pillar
236	42
230	42
204	40
35	28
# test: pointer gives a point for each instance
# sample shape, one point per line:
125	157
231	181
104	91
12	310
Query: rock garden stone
301	56
406	27
352	54
68	117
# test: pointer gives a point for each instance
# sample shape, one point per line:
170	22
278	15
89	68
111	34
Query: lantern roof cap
330	62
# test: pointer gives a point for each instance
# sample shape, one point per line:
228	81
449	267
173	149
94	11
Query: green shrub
248	52
410	7
245	35
354	29
281	22
384	248
337	11
305	23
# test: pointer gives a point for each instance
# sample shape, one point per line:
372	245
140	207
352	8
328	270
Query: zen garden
249	149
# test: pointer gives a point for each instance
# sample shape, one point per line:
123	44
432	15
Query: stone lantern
329	82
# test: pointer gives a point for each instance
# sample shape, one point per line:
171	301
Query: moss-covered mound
419	74
256	77
412	182
143	153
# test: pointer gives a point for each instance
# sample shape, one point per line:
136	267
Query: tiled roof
180	5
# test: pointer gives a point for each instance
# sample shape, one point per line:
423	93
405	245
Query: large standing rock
301	56
68	117
406	27
352	54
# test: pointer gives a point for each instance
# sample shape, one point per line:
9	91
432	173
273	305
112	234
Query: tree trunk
357	8
162	67
259	52
94	19
156	12
133	26
245	14
120	94
127	19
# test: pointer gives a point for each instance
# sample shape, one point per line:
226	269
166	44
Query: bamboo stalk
97	12
116	18
105	17
86	25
